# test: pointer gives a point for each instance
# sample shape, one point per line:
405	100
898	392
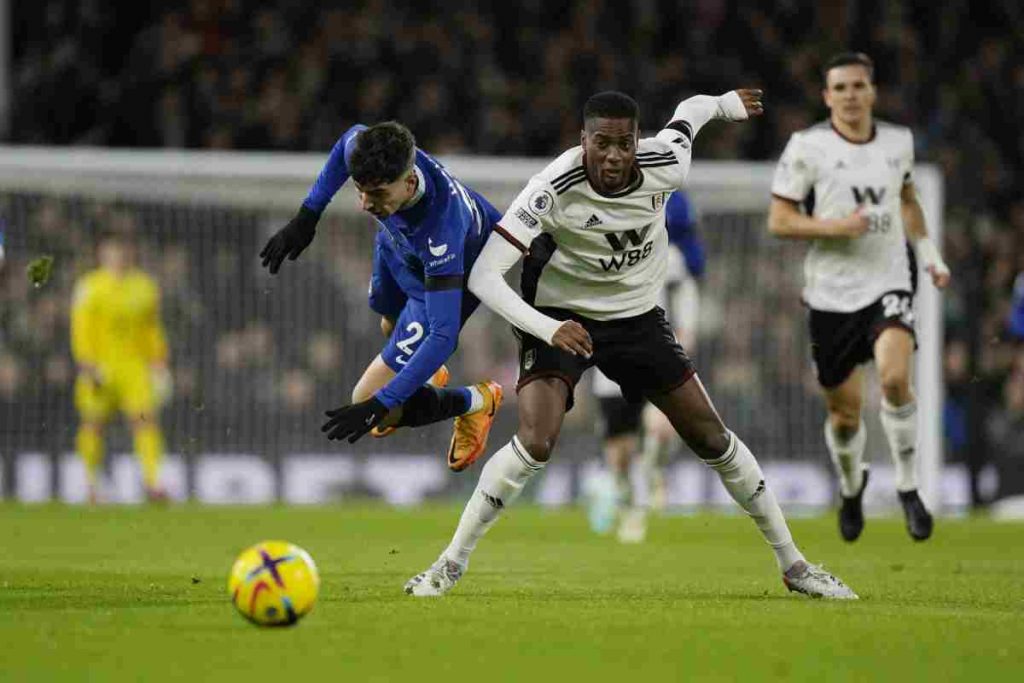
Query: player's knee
537	444
709	444
845	423
895	387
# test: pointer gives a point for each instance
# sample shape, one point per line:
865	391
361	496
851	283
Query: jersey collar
874	132
416	209
421	189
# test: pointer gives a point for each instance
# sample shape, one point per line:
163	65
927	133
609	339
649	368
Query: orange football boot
439	380
469	438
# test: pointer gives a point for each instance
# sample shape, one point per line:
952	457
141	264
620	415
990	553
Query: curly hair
382	153
611	104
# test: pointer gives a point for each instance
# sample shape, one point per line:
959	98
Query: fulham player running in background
853	176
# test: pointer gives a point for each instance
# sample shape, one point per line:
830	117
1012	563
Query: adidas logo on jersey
592	221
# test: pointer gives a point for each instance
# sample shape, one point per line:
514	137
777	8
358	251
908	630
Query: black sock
428	405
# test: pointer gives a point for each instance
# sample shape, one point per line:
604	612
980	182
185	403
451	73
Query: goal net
257	358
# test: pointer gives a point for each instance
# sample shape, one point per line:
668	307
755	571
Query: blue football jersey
440	236
423	253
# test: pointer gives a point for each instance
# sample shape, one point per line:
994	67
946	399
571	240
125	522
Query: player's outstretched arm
290	240
487	282
914	227
294	237
736	105
786	220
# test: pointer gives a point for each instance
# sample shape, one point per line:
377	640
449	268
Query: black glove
291	239
353	421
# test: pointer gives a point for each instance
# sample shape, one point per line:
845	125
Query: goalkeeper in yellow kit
118	342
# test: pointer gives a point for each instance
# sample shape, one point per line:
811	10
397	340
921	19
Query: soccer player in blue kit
430	230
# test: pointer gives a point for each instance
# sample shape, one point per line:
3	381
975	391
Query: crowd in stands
509	78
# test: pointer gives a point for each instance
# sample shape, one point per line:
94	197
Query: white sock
652	459
476	399
744	481
501	481
900	426
847	458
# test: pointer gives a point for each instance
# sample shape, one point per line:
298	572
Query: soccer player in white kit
592	227
853	175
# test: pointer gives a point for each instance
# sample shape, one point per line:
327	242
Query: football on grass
274	583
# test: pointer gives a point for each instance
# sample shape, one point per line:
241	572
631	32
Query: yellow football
274	583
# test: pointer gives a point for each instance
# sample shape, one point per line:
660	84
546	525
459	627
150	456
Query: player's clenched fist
353	421
574	338
854	225
738	105
290	240
752	100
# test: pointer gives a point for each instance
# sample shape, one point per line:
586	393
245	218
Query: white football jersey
835	176
611	249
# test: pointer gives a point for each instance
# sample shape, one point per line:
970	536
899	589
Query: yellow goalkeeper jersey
116	320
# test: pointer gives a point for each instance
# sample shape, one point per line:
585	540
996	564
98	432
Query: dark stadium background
289	76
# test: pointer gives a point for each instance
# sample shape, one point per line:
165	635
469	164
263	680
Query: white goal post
734	194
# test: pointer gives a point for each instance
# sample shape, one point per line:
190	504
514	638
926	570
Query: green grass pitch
113	594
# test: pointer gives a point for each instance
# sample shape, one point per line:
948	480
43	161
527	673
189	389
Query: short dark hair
113	234
381	154
611	104
850	59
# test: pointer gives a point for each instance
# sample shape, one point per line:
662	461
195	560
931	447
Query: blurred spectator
11	377
1015	321
1006	436
325	353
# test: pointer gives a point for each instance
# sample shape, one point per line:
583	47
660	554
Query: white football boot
810	579
633	525
435	581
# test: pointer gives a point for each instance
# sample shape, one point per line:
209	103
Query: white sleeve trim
487	282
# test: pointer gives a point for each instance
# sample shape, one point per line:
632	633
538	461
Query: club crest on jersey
658	200
438	250
541	202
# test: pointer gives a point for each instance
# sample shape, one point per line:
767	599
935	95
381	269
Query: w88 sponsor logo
627	258
630	248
